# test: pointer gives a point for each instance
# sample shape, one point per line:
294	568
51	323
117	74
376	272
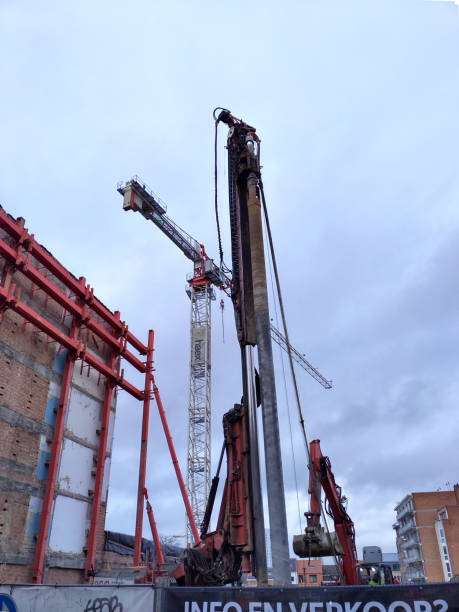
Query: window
313	578
442	533
300	579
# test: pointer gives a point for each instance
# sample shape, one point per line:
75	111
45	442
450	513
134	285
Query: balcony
406	512
417	576
409	543
413	561
406	528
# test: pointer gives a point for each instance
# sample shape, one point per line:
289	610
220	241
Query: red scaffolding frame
22	253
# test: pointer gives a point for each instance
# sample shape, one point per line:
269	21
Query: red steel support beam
23	264
85	293
40	548
154	532
175	462
143	451
100	469
8	299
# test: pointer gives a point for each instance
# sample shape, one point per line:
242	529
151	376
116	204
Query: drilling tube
273	459
261	572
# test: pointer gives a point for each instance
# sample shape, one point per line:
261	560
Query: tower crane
137	196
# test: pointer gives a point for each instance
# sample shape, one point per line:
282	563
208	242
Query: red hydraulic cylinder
100	469
175	462
40	548
154	532
143	451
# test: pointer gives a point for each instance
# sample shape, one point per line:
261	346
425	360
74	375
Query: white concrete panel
111	429
89	383
35	504
69	524
44	446
75	468
106	479
84	416
54	390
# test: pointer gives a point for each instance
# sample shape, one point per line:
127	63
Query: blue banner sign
390	598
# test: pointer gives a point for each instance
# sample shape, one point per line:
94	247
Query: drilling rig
238	543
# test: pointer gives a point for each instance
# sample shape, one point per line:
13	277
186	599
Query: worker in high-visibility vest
374	578
377	577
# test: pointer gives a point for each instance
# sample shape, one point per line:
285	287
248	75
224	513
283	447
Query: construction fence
145	598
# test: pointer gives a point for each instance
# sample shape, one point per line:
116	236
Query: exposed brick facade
309	572
31	367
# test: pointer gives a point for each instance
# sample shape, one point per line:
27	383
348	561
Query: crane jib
185	243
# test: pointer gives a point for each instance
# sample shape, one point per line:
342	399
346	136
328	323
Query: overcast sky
356	104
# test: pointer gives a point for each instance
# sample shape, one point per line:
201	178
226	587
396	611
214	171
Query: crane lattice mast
137	196
199	415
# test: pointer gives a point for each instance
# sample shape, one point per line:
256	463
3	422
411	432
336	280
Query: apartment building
309	572
427	536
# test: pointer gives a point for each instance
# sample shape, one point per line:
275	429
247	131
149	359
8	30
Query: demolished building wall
31	372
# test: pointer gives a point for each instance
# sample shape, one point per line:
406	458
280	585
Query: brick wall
31	367
15	573
451	527
306	568
58	575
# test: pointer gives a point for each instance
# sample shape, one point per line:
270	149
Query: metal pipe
84	292
100	469
10	300
50	487
154	532
175	463
143	451
21	259
261	572
273	459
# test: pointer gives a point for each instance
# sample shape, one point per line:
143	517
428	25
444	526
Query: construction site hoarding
22	598
441	597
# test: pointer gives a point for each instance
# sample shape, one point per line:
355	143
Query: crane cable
292	369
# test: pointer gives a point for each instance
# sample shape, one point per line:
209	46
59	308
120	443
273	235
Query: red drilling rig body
222	555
